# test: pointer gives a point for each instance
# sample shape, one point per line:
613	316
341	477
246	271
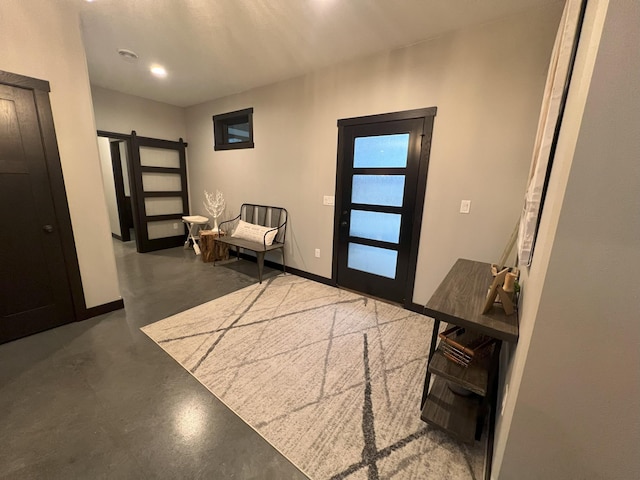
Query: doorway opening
114	161
380	190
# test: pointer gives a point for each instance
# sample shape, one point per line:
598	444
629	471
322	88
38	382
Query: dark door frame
41	89
134	205
428	115
121	199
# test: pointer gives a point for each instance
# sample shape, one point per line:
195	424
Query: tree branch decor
214	204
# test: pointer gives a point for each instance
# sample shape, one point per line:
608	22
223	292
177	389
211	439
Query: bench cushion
249	245
254	233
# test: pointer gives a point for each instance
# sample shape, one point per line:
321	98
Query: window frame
221	125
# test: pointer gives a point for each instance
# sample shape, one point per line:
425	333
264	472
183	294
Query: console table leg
432	350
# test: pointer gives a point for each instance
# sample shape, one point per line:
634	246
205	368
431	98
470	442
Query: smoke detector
127	54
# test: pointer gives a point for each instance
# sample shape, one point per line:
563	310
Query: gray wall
121	113
487	83
573	410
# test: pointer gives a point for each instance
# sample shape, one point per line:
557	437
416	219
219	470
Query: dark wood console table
459	301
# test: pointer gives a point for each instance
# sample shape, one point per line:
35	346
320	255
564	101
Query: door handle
48	228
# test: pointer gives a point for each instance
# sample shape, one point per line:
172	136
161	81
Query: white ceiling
214	48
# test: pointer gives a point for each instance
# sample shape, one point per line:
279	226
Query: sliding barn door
159	174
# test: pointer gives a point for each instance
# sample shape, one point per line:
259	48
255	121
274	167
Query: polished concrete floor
98	399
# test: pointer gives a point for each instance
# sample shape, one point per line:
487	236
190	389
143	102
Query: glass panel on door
159	157
386	190
382	151
384	227
161	182
375	260
163	205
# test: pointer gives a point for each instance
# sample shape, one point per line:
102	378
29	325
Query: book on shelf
462	347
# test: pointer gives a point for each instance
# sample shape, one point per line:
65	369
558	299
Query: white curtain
549	118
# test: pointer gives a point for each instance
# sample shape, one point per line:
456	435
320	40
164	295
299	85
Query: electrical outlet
317	253
465	206
329	200
175	226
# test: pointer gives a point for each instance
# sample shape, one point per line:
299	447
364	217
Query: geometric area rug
330	378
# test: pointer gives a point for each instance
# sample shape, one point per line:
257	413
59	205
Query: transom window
233	130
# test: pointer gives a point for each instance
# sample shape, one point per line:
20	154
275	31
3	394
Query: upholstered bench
258	228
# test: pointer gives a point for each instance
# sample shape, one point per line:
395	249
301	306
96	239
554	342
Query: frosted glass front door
378	179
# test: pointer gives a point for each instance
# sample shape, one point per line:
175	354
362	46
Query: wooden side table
459	300
212	250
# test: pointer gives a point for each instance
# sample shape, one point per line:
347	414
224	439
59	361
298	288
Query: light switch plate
465	206
329	200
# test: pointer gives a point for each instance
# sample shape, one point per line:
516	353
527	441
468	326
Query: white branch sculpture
214	204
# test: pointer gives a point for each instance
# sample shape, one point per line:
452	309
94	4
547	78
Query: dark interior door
381	188
34	291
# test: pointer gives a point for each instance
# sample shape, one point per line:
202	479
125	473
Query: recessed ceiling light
158	71
128	54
